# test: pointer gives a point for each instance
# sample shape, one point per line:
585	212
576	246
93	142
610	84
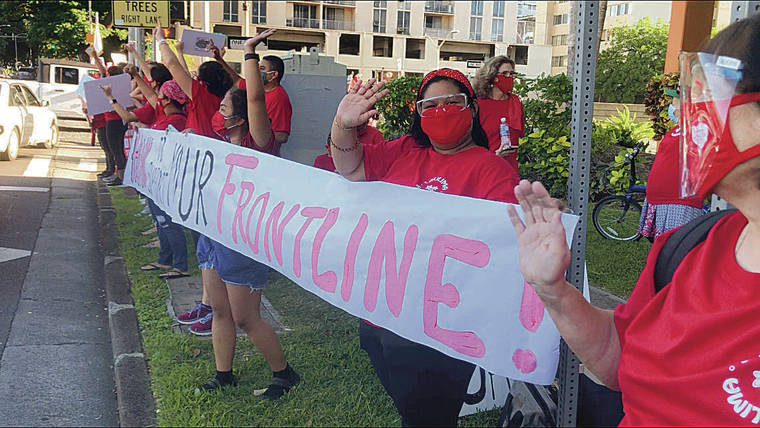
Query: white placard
197	42
96	100
441	270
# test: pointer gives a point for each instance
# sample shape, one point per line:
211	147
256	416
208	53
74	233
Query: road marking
90	165
7	254
38	167
23	189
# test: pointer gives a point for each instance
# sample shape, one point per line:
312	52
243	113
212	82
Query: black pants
115	130
427	386
103	141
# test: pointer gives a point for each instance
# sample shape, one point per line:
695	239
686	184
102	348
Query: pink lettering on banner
524	360
233	160
327	280
310	213
474	253
384	251
140	153
238	218
349	263
531	309
254	244
274	217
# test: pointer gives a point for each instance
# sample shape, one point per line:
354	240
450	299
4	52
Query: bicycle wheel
617	218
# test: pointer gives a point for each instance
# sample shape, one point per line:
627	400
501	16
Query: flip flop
154	266
151	231
153	244
174	273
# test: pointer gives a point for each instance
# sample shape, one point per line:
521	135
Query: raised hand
357	106
250	45
544	255
180	46
106	90
158	34
131	70
130	47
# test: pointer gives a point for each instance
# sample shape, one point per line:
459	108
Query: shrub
545	158
545	103
626	131
656	102
396	109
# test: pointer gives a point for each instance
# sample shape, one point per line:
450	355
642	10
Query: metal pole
586	41
15	47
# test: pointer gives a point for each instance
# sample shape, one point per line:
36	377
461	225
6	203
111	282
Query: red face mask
504	83
708	159
446	128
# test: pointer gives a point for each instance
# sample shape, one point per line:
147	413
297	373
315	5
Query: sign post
144	14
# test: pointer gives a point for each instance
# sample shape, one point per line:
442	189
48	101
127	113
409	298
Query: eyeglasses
507	73
455	102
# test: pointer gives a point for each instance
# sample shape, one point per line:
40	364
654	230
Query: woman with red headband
686	352
446	151
493	85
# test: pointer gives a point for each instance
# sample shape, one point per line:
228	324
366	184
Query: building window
378	21
305	16
405	5
498	8
497	30
476	8
415	48
561	19
230	11
402	24
521	55
559	61
559	40
348	44
382	46
258	12
619	9
382	4
476	25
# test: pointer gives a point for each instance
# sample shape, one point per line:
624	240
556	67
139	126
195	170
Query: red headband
451	74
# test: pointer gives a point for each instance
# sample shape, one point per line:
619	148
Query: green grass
339	387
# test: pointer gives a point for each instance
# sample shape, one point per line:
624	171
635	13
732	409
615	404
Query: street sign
140	13
236	42
474	63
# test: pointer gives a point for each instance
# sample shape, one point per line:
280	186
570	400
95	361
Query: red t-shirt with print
324	161
491	111
663	180
370	135
473	172
200	108
690	354
177	120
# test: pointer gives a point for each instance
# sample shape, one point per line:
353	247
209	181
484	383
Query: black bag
529	405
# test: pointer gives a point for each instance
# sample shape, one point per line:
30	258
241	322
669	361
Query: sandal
172	274
214	383
153	244
154	266
278	387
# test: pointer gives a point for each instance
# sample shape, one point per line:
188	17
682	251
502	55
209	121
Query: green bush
545	158
545	104
626	131
656	102
397	107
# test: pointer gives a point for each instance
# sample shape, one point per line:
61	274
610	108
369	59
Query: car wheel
53	136
11	151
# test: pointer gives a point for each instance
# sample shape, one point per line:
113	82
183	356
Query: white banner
438	269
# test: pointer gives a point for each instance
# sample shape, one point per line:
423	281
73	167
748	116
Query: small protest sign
96	100
197	42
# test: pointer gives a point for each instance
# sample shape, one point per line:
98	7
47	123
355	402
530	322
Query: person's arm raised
354	110
180	46
98	63
179	73
144	66
544	256
125	115
150	95
258	118
218	55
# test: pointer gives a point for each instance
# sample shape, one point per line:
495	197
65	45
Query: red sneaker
202	327
195	314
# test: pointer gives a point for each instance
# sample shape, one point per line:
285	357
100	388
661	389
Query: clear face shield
708	83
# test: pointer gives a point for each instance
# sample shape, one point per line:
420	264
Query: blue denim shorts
232	267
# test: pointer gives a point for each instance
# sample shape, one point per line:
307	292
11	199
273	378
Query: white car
24	120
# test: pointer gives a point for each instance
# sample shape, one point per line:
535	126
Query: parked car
24	120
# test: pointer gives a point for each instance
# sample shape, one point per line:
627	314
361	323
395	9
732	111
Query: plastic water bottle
506	143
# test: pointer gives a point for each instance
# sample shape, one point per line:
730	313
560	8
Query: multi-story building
386	38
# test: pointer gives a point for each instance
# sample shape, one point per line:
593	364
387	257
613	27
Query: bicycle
617	217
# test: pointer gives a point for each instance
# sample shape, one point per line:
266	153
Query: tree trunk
600	28
571	39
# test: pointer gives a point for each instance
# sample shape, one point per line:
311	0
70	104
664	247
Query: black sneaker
115	182
214	384
104	174
279	386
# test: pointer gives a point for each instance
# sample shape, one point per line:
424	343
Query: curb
136	405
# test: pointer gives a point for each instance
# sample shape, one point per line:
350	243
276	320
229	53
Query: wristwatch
251	56
113	101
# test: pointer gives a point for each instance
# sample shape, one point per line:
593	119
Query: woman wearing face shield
689	353
445	151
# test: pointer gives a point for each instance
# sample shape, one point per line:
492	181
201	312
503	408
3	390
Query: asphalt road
56	360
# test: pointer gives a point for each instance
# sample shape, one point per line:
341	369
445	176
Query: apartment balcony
438	32
443	7
332	24
350	3
302	23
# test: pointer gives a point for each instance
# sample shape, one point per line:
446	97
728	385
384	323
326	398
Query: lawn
339	387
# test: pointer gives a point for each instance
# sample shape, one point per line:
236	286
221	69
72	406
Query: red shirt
663	180
370	135
98	121
111	116
324	161
491	111
473	172
690	354
200	108
278	107
177	120
145	114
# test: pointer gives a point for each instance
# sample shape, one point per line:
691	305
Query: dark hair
478	135
159	73
239	98
114	70
741	40
217	79
276	64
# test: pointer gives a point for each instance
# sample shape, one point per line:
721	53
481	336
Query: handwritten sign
97	101
197	42
450	280
144	14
